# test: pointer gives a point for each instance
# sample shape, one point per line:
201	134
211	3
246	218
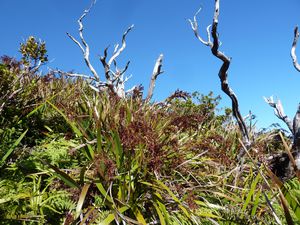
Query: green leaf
111	217
103	192
160	215
81	199
62	175
118	150
184	210
71	123
12	148
138	215
251	192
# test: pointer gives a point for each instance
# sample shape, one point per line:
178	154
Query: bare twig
223	72
279	112
74	75
84	46
156	72
293	50
194	25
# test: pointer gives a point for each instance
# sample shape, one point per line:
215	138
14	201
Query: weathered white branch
223	72
156	72
74	75
279	112
194	25
115	81
84	46
117	50
293	50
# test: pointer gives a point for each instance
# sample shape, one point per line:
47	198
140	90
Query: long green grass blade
111	217
12	148
62	175
104	192
138	215
251	192
174	198
71	123
81	199
118	150
160	215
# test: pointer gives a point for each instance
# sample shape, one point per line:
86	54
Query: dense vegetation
71	155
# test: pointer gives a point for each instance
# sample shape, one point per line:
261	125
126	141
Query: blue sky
256	34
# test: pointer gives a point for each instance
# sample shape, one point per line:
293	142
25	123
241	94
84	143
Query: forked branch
223	71
83	45
114	78
118	50
279	112
293	50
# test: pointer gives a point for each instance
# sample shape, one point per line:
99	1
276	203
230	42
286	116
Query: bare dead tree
282	164
114	79
214	46
156	72
294	126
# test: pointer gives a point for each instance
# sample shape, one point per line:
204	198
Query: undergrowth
70	155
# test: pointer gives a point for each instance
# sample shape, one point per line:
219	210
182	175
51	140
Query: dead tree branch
294	126
84	46
223	71
115	79
279	112
281	164
118	50
156	72
74	75
194	25
293	50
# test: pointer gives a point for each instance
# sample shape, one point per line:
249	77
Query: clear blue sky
256	34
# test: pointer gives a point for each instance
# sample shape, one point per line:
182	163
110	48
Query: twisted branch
223	72
293	50
118	50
